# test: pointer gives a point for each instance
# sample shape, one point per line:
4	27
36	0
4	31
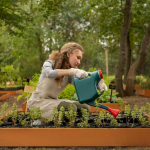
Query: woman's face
75	58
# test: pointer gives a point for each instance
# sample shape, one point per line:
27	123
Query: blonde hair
61	58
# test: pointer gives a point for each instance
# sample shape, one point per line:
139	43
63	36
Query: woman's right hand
78	73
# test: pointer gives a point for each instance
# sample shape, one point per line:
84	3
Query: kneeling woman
57	73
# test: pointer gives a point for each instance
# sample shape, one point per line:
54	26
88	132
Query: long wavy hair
61	58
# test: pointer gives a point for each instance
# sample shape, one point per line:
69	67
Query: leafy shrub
146	83
10	73
68	92
140	79
105	97
35	80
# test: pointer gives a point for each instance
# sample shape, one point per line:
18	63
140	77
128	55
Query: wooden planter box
144	92
147	92
137	87
5	96
11	92
15	137
111	105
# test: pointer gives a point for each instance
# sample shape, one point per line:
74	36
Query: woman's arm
63	72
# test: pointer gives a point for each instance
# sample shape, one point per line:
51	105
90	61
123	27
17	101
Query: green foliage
4	108
9	73
84	122
71	116
13	15
99	118
58	116
146	83
68	92
33	82
121	104
105	97
112	80
140	79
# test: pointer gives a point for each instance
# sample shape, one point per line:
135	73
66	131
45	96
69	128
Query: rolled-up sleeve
48	71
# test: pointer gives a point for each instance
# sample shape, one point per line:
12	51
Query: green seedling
99	119
58	116
71	115
121	104
127	112
84	120
4	108
114	122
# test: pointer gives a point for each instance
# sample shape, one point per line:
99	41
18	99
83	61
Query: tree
13	15
124	50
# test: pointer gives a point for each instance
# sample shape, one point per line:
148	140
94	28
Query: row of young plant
69	117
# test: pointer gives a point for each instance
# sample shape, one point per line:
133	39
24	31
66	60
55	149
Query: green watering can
87	92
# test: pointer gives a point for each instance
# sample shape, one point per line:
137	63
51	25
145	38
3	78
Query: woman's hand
102	86
78	73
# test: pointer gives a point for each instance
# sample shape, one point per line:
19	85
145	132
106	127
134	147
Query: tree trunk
137	65
123	48
128	58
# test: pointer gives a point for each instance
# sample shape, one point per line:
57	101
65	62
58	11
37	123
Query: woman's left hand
102	86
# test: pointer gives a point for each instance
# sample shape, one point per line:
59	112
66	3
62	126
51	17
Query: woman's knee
66	105
79	106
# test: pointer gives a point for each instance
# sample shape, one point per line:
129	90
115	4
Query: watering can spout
114	112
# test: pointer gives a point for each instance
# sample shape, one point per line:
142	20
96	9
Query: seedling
58	116
1	122
71	115
121	104
84	122
4	108
127	112
114	122
99	119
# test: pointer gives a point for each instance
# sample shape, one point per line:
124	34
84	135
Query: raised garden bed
107	134
4	96
144	92
74	137
11	90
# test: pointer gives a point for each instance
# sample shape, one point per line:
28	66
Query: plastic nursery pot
24	105
110	105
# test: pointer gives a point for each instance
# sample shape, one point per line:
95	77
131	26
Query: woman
57	72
